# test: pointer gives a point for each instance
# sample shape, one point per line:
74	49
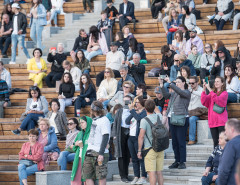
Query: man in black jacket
5	35
137	70
19	32
126	13
56	70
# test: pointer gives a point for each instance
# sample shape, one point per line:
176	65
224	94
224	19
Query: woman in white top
232	84
179	43
107	88
189	19
57	6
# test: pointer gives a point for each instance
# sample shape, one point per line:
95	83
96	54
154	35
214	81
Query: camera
127	102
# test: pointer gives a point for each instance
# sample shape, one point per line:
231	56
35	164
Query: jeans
30	121
166	86
207	180
133	149
64	158
24	172
85	2
36	33
232	98
86	71
170	37
7	42
90	55
192	127
235	21
105	104
54	14
15	39
52	77
80	103
64	103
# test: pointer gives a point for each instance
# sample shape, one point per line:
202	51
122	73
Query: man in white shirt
114	60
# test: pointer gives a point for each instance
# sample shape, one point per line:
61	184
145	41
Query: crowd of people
122	113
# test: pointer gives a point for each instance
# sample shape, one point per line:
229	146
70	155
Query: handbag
145	152
172	29
26	162
218	109
178	120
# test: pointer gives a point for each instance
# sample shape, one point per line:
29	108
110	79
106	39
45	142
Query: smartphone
144	95
206	80
162	77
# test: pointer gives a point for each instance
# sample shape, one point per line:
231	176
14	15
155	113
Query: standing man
126	13
5	35
19	32
231	154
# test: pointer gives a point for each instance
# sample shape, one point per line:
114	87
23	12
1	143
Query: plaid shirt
166	104
4	93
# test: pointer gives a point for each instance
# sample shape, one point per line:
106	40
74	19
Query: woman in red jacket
217	97
30	157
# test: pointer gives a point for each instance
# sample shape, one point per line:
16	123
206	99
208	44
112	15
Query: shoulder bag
218	109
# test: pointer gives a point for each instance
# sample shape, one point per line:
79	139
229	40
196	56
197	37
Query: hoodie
197	41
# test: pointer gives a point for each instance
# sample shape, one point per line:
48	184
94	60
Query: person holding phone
141	91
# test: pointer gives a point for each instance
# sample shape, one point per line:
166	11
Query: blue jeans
30	121
192	127
92	54
133	149
207	180
232	98
36	33
105	104
15	39
64	158
166	86
54	14
170	36
86	71
24	172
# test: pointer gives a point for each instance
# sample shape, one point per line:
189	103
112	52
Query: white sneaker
134	180
48	22
28	60
141	181
12	62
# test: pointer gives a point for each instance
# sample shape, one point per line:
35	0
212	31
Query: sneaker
11	62
134	180
181	166
124	180
16	132
141	181
174	165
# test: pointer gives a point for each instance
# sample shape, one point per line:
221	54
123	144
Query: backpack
154	72
197	13
160	135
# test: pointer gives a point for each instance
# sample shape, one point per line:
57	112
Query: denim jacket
41	16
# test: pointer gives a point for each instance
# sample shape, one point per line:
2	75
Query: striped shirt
4	93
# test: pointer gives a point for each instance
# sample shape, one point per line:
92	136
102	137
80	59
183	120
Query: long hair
180	33
76	122
38	2
120	36
70	77
77	59
187	69
223	88
5	9
94	31
232	75
133	44
34	88
210	45
89	81
187	13
170	14
219	44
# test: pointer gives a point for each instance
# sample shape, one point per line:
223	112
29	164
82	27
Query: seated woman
223	11
195	57
237	51
97	44
210	174
66	91
186	34
128	89
80	147
57	6
207	61
126	33
7	10
87	94
68	154
48	139
75	73
57	118
179	43
135	47
107	88
232	84
122	43
37	68
37	106
188	19
82	63
173	23
31	151
156	7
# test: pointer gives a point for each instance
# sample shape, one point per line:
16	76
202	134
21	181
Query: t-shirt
35	106
125	114
146	126
100	126
52	122
133	127
15	25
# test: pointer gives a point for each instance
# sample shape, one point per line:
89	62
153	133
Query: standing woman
82	63
66	91
32	151
173	23
178	109
57	6
87	94
217	98
37	68
80	147
38	16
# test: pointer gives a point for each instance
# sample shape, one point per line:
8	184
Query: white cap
15	5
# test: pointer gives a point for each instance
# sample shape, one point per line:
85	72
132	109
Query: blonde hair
125	28
170	14
182	57
132	88
111	72
46	120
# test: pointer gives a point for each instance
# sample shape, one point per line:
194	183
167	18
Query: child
159	100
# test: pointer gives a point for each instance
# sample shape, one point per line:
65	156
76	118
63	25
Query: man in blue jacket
231	153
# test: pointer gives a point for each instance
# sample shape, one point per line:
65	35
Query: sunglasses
192	83
176	60
126	87
70	123
106	71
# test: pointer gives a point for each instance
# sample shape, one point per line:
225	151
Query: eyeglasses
176	60
126	87
70	123
192	83
106	71
206	47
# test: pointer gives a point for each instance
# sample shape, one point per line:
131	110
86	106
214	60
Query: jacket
88	93
32	65
227	166
196	60
215	119
21	22
37	153
52	145
197	41
195	100
158	1
42	102
102	42
130	9
179	100
68	89
170	23
107	22
41	16
137	72
225	6
61	121
81	43
207	61
4	93
107	89
181	46
167	62
84	65
57	61
128	78
123	46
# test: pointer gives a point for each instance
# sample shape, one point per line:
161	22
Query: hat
158	90
113	44
109	1
193	30
15	5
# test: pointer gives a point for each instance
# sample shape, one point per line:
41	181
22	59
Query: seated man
56	70
194	40
137	70
114	60
4	97
126	13
5	35
5	75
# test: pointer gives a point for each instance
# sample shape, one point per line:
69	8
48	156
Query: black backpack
160	135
